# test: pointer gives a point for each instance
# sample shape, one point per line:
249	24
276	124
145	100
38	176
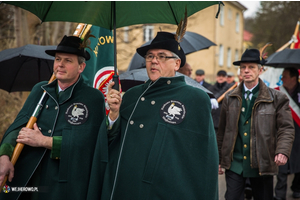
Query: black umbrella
190	43
139	76
21	68
285	58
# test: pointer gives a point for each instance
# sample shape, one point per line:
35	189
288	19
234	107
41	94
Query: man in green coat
162	141
58	151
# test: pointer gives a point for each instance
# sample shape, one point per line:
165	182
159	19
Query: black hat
71	45
221	73
164	40
251	56
200	72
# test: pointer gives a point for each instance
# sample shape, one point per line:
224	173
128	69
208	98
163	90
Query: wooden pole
295	35
19	146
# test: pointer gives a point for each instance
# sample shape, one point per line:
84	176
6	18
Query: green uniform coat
168	146
63	173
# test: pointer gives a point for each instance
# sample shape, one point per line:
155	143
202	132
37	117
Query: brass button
49	131
152	102
245	157
131	122
143	99
245	134
141	125
245	146
47	106
247	122
168	82
56	107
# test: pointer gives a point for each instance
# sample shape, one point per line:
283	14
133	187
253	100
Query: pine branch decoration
181	29
86	41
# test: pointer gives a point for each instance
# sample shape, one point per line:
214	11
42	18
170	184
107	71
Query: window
237	22
221	56
126	35
236	56
222	16
148	33
229	57
229	14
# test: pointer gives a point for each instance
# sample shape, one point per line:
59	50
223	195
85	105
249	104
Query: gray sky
252	6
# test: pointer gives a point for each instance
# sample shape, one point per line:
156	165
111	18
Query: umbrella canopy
285	58
101	13
21	68
113	14
139	76
190	43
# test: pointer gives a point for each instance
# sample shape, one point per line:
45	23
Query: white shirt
246	89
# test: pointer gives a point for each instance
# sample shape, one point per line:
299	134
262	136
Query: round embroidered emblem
173	112
77	114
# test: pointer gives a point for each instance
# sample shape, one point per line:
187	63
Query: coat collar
263	93
67	93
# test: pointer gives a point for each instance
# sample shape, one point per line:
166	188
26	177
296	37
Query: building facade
226	32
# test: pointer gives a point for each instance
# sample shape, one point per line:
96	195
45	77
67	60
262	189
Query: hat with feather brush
73	45
168	41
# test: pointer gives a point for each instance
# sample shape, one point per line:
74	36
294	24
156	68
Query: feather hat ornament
181	29
86	41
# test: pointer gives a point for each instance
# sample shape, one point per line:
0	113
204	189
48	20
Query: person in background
291	88
58	151
219	88
186	69
256	132
200	76
230	78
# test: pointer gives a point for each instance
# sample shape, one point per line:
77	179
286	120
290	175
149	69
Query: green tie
248	98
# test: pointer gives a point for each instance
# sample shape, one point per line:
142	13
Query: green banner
100	68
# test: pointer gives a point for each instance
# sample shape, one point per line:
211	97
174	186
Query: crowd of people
160	140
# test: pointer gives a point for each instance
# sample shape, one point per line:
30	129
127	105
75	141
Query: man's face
186	70
221	79
287	80
199	78
66	68
250	72
230	79
157	69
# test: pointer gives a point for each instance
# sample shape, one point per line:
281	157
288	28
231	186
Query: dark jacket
65	176
163	155
293	164
272	129
206	84
218	89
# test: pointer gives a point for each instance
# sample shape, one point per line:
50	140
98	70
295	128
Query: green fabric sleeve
113	132
9	143
6	149
56	147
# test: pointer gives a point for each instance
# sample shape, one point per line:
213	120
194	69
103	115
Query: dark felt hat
71	45
251	56
200	72
164	40
221	73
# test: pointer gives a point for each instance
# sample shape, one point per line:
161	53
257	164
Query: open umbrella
190	43
113	14
285	58
21	68
139	76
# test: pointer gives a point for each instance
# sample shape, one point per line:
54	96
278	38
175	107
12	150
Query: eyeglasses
160	58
